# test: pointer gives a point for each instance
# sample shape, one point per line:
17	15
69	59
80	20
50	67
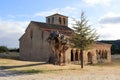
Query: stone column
78	56
109	56
85	57
74	51
67	56
94	58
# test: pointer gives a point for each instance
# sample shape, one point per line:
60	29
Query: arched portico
89	56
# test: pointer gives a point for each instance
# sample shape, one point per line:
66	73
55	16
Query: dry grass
15	69
11	63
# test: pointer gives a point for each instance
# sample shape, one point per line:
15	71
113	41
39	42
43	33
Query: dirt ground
24	70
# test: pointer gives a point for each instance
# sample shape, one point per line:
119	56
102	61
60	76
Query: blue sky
15	15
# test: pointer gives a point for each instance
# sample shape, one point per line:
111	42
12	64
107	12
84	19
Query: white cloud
110	26
109	31
67	10
111	14
10	31
95	2
110	18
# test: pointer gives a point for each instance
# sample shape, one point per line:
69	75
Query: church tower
57	19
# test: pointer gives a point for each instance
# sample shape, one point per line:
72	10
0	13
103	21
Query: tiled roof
57	14
101	43
48	27
51	26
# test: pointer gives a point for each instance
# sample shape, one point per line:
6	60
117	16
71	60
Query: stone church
34	46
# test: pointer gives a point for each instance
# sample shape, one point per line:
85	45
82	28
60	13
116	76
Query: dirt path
68	72
95	73
4	73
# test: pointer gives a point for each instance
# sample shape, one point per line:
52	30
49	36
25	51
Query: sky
15	15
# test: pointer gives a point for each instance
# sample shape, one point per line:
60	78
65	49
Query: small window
31	34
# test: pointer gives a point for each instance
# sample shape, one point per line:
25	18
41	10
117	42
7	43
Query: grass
10	55
32	71
40	69
12	63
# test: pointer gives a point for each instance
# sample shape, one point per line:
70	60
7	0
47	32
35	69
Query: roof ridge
57	14
48	24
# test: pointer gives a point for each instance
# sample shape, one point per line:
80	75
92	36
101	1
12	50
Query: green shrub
3	49
14	50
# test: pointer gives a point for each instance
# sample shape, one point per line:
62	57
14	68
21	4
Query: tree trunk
81	57
64	58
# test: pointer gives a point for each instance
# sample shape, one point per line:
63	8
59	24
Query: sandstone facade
34	46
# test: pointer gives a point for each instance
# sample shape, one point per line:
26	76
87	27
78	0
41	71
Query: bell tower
57	19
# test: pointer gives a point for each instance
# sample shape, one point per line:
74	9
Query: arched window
63	20
52	19
60	21
48	20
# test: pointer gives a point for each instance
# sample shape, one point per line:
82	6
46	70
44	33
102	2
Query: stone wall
98	53
33	44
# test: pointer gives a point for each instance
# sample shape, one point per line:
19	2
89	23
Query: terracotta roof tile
48	27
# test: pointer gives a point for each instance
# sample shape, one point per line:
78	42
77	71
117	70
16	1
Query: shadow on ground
20	66
5	73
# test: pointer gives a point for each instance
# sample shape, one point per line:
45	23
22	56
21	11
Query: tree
83	36
3	49
58	45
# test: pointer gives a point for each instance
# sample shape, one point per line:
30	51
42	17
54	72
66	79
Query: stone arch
106	54
71	54
76	56
97	54
60	20
89	55
102	54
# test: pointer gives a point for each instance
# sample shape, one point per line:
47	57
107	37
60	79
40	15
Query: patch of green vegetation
3	49
33	71
10	55
103	64
3	67
72	69
29	71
